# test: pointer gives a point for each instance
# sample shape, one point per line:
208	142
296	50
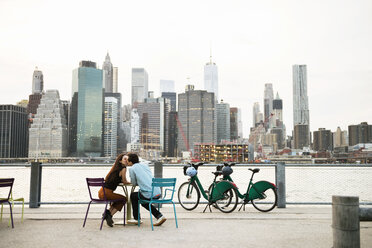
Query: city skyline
252	44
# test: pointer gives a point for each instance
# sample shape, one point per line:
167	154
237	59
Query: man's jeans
134	200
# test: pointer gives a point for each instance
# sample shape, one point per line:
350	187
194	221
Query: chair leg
152	225
103	217
175	215
23	208
11	214
86	215
12	206
124	206
1	217
139	214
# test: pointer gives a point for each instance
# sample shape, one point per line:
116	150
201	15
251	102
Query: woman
116	175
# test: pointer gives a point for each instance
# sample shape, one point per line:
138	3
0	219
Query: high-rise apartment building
322	140
223	121
196	114
268	104
86	115
139	85
361	133
234	124
301	136
13	132
211	78
48	134
108	74
300	99
37	82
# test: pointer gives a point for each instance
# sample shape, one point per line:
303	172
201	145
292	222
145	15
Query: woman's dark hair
118	163
132	157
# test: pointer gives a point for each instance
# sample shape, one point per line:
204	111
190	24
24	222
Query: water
303	185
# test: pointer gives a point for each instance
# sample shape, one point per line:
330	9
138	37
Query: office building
211	78
361	133
13	132
234	124
219	153
172	96
135	127
223	121
108	74
139	86
167	86
257	115
115	80
87	110
172	134
196	114
37	82
323	140
48	134
110	135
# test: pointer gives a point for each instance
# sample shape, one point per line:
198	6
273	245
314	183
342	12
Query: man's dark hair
132	157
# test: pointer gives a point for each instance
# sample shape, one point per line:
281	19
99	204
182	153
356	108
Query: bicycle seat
217	173
255	170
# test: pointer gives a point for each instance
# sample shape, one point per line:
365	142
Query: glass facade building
87	112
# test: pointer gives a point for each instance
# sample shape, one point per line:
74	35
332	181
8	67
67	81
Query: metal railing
299	183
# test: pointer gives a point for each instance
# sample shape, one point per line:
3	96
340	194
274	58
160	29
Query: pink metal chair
7	182
99	182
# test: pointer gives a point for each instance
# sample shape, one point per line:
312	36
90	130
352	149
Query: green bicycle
261	194
222	194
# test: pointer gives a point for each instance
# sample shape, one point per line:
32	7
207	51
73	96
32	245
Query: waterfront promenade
61	226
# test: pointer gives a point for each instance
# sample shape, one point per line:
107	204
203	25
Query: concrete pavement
61	226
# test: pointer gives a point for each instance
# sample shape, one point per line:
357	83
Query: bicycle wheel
229	201
267	202
188	196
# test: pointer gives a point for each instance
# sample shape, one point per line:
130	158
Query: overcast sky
253	43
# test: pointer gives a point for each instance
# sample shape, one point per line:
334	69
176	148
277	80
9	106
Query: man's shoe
133	222
108	218
160	221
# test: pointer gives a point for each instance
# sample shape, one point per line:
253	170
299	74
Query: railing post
35	185
158	173
280	184
345	221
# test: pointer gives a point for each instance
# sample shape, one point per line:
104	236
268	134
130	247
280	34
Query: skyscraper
256	112
223	121
139	85
37	82
196	114
268	104
48	133
211	78
115	80
108	74
110	127
13	132
300	99
301	136
167	86
86	115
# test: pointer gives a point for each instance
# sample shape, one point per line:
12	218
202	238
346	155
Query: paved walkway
61	226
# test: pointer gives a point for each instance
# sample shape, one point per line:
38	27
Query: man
141	176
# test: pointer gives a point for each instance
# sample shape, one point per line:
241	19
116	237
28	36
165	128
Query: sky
252	43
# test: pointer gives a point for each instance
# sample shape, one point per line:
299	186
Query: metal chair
99	182
7	182
168	184
12	200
